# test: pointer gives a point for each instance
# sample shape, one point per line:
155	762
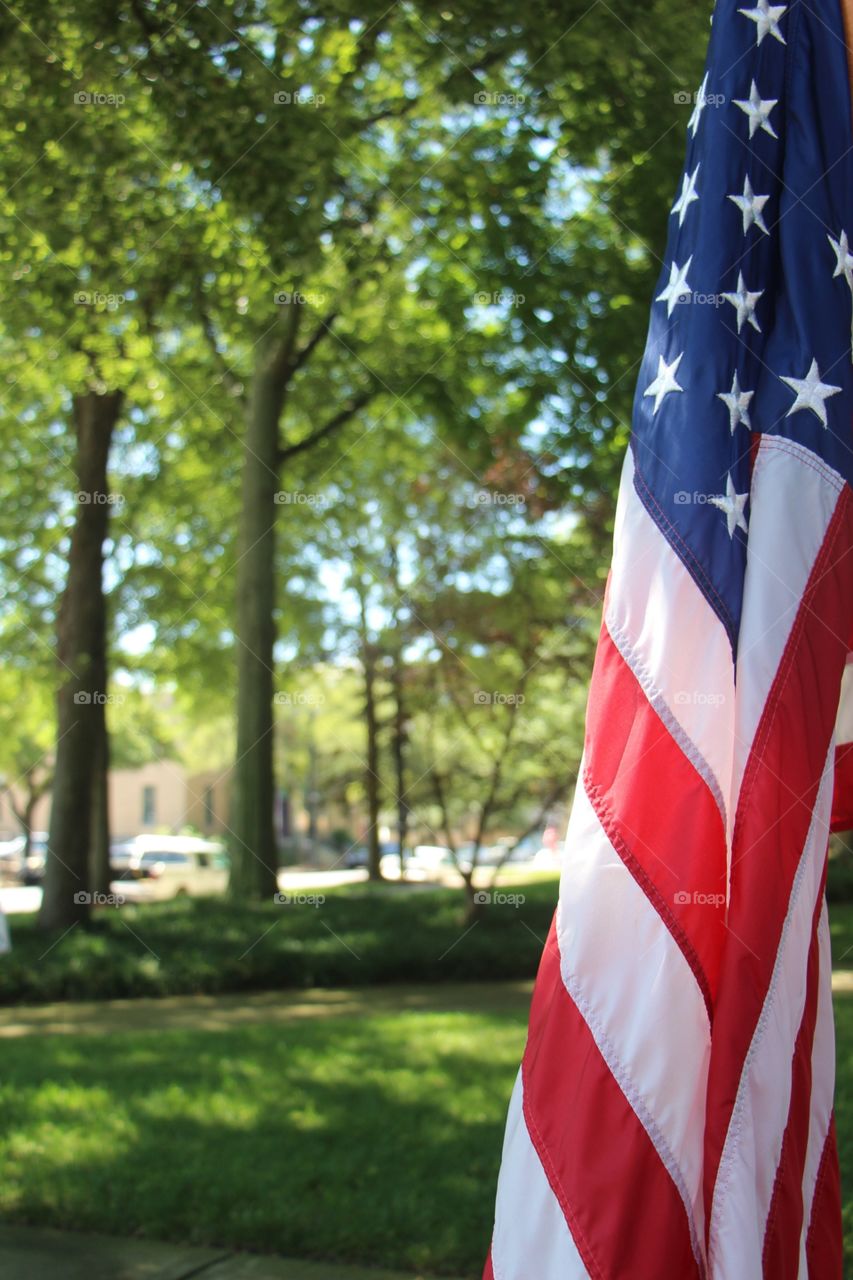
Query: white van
164	866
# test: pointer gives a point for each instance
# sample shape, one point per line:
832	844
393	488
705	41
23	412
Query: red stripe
658	812
774	813
488	1272
785	1219
621	1205
824	1249
842	795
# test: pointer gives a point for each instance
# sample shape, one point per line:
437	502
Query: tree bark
81	650
254	853
371	723
99	846
399	729
399	741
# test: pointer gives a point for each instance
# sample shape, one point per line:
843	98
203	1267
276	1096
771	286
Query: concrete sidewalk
30	1253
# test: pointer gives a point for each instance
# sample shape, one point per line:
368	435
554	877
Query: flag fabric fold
673	1111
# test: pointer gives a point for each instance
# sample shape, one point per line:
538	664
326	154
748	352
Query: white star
766	18
750	206
732	506
677	287
811	393
664	382
699	101
688	195
744	302
737	403
843	258
758	109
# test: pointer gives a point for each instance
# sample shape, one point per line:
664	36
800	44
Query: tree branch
338	420
305	353
231	383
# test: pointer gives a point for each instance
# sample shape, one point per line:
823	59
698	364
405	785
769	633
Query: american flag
673	1115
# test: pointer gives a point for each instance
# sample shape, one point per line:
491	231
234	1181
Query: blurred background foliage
351	303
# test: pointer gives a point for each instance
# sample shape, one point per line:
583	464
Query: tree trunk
254	852
81	650
25	820
399	735
399	752
99	860
371	722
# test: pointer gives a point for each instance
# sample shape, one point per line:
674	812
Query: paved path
30	1253
219	1013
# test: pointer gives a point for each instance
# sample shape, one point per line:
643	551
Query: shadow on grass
375	1141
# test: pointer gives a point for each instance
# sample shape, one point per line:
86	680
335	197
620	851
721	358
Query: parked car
11	859
424	862
355	857
165	866
32	870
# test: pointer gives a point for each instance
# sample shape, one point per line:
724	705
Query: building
157	797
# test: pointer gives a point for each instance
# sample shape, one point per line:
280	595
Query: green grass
374	1140
356	937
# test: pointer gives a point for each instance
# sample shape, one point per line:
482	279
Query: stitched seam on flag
780	444
666	715
785	670
785	1158
684	552
623	1077
727	1163
607	818
819	1186
815	1120
582	1244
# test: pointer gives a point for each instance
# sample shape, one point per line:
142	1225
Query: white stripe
531	1237
632	984
744	1186
671	638
844	722
792	500
823	1084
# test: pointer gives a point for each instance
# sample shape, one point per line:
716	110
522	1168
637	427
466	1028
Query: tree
391	171
26	741
84	203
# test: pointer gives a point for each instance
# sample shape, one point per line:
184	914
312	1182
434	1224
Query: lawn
372	1139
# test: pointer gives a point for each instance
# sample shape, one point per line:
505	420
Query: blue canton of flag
747	333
